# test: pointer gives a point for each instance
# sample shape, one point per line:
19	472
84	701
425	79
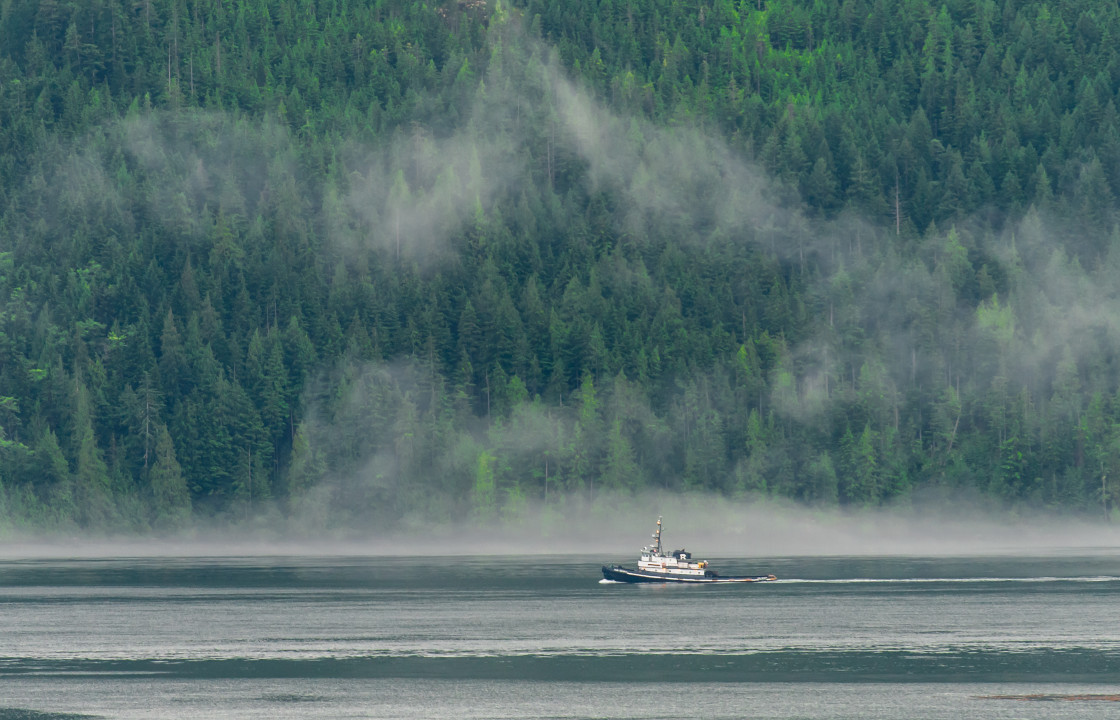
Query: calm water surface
483	637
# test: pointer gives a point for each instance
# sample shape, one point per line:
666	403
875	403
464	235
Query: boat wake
1041	579
657	566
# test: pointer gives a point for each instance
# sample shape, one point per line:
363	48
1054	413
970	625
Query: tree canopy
340	261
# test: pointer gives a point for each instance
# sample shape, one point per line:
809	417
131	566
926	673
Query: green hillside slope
340	261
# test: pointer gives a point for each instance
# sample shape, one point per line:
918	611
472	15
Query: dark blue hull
617	573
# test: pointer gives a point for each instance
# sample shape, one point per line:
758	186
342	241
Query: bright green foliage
484	492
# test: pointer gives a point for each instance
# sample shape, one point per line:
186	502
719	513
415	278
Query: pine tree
171	501
93	496
620	471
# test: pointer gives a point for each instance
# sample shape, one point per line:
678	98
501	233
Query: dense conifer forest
340	261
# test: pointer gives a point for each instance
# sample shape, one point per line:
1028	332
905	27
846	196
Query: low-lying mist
615	528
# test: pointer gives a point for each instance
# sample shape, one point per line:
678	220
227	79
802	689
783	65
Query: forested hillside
334	262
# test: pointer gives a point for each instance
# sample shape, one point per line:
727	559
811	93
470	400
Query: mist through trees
333	262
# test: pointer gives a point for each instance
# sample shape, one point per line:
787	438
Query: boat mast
657	537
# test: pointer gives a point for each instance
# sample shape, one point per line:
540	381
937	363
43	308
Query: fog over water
344	600
617	527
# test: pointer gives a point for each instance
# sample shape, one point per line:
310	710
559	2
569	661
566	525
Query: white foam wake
1041	579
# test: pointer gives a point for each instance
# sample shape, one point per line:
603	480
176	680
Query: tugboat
657	566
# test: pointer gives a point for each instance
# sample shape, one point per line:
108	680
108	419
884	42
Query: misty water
542	637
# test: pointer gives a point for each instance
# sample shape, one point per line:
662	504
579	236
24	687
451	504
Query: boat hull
617	573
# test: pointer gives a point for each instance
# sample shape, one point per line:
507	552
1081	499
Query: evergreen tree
171	502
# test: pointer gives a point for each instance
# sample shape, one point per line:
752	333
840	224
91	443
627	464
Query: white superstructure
678	562
657	566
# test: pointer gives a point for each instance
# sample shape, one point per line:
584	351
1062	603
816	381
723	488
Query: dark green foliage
396	261
171	500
